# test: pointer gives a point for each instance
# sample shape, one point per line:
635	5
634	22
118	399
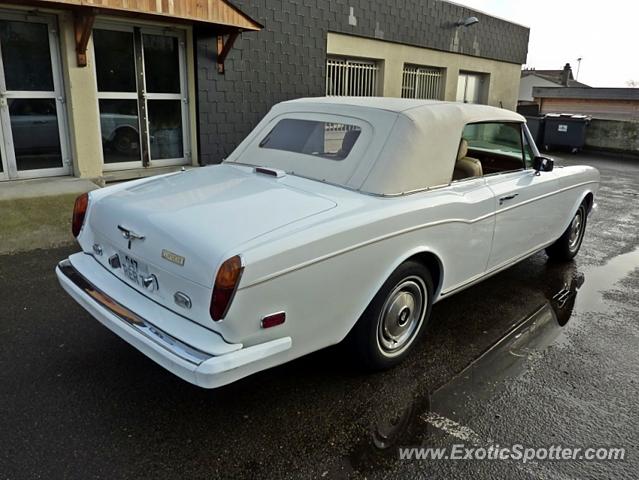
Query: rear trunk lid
192	221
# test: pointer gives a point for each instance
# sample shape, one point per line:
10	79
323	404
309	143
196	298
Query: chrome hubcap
401	316
575	231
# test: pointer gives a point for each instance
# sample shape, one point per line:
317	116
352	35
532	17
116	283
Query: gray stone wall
613	135
287	58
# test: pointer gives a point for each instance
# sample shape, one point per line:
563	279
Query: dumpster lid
574	116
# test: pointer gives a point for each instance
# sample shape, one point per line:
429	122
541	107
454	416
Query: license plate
133	269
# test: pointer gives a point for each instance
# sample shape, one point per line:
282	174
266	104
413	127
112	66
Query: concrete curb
37	213
44	187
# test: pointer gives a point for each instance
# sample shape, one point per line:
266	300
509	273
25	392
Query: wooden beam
223	49
83	21
212	12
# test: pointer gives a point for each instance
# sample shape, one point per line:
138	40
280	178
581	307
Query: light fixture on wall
467	22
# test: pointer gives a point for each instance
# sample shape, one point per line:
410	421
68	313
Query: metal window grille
422	82
345	77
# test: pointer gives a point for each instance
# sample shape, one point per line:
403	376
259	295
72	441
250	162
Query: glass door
471	88
142	92
32	115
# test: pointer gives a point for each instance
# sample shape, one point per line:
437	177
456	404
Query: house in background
601	103
119	89
614	111
531	78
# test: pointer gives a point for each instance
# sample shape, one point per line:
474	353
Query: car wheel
126	142
567	246
395	319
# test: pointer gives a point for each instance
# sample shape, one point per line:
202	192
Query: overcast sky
604	33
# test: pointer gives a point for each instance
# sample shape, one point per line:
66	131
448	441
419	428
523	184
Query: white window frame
7	148
183	96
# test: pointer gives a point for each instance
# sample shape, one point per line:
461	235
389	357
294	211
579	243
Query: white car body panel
315	250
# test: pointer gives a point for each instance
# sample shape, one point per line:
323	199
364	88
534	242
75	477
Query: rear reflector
274	320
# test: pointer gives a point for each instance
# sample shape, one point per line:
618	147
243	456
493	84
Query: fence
422	82
345	77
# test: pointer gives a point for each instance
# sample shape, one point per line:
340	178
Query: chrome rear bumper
103	297
142	326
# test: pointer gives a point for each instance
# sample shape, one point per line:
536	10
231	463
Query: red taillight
226	281
79	211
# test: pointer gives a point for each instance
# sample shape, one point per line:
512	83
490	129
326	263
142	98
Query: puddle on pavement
582	292
600	279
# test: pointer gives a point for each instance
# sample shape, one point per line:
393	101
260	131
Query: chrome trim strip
140	325
148	297
494	270
352	189
545	195
342	251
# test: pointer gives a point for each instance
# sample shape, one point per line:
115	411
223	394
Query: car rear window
311	137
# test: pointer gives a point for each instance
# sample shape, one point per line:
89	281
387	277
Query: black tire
126	142
568	245
389	320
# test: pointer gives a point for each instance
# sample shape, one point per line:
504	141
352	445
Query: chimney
566	75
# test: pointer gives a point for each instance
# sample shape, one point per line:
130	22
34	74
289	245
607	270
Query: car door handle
507	197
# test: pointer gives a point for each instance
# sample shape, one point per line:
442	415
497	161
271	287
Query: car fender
575	207
418	250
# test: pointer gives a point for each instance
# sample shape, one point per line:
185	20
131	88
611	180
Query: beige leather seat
466	167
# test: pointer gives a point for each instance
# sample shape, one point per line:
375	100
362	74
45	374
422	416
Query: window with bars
351	77
422	82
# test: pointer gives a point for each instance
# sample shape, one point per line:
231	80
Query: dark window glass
120	130
26	56
496	145
114	60
165	129
161	64
36	137
310	137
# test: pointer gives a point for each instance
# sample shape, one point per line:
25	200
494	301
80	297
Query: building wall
287	58
82	105
528	83
614	136
502	82
602	109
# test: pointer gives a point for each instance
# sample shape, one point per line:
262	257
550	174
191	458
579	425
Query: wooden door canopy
217	12
213	13
223	48
83	23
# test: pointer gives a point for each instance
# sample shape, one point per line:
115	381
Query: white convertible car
336	218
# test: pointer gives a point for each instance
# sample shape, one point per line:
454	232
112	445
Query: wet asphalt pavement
541	354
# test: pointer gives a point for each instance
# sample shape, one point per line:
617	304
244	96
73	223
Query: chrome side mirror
543	164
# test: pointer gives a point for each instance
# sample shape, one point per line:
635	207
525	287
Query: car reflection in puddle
479	381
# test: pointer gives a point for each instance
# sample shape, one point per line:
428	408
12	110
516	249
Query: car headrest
349	140
463	149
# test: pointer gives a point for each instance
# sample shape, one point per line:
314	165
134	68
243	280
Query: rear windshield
311	137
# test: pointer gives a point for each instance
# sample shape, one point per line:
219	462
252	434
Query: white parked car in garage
336	218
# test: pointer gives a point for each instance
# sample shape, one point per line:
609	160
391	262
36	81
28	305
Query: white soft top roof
405	144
